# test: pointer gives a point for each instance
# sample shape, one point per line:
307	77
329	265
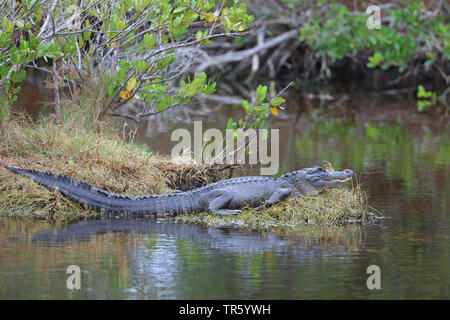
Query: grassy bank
97	153
338	206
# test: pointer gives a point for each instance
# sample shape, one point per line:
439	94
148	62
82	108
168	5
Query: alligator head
313	180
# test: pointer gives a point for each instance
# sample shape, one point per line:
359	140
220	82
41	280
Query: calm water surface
401	157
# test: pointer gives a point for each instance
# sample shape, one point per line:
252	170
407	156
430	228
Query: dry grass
107	163
184	174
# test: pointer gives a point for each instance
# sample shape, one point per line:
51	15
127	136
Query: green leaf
199	35
110	90
7	86
376	59
179	9
421	91
5	23
277	101
229	123
17	89
43	47
245	105
134	63
149	40
261	92
18	76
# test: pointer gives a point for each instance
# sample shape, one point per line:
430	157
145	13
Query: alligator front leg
219	202
278	195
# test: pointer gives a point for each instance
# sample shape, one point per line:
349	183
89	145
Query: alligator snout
349	172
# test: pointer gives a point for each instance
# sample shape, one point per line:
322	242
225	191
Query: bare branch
243	54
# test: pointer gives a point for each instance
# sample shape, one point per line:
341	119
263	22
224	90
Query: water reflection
146	258
225	239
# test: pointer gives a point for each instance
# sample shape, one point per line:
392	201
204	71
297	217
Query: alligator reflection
221	238
123	258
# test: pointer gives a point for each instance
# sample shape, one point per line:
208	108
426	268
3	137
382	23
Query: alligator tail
104	201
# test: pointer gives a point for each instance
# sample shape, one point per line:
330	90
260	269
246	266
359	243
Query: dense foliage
144	45
409	33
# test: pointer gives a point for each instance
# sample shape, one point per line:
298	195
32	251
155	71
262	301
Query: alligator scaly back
104	201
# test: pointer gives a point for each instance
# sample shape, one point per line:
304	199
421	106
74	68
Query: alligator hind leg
278	195
219	204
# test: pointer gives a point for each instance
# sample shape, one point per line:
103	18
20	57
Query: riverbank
100	154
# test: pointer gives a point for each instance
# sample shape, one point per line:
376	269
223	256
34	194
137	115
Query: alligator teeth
340	179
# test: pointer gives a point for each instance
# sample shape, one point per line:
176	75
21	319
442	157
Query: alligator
221	198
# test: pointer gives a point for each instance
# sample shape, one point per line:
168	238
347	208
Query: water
401	157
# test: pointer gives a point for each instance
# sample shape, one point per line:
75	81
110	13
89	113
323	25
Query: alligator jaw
319	178
342	180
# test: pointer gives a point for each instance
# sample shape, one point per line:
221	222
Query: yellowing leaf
210	18
241	28
124	95
131	83
113	44
274	111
